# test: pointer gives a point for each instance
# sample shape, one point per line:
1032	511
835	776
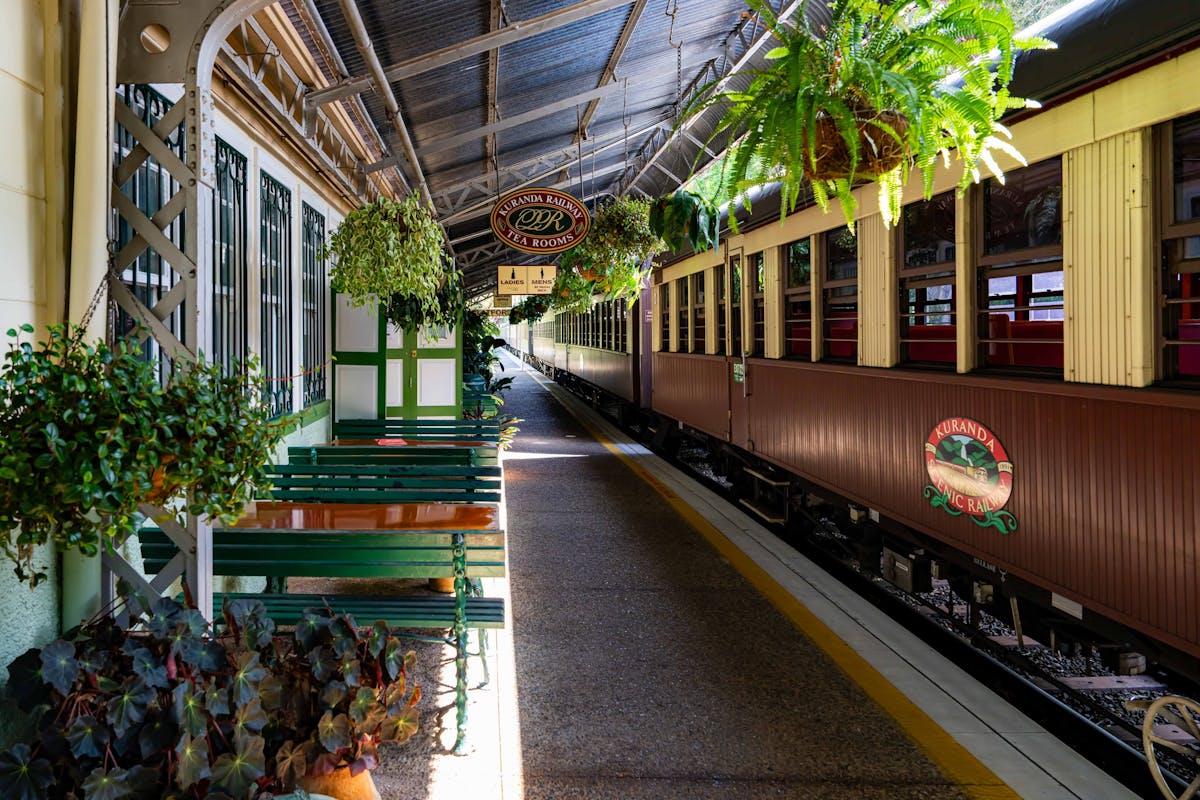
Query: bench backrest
384	483
338	554
483	430
375	454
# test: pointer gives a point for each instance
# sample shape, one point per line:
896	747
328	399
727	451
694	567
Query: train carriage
1059	311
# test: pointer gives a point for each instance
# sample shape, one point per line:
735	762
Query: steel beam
722	72
464	198
493	77
438	145
514	32
366	49
610	71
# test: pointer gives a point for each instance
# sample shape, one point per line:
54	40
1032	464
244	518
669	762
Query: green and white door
379	371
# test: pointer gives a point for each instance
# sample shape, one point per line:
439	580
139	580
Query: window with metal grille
1020	269
698	312
685	308
797	300
758	301
275	294
147	274
839	295
1181	251
312	303
664	316
719	280
229	258
735	305
927	315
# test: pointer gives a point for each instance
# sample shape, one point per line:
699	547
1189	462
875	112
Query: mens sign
534	279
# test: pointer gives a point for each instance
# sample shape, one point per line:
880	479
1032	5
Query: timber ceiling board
561	69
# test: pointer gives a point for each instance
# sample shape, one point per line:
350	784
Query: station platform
664	645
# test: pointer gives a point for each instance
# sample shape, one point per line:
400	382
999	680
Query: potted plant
685	218
885	86
571	291
172	711
91	432
389	247
408	312
532	308
617	246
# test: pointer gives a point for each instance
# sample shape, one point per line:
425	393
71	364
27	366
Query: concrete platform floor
639	663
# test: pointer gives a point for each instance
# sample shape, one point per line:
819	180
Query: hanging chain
624	117
102	287
671	10
579	151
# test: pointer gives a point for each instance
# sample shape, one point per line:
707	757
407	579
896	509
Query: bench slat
318	494
388	470
398	611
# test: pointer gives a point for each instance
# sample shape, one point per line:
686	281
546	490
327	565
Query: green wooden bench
384	483
353	546
419	430
463	554
375	454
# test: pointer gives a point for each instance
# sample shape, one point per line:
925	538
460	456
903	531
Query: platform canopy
487	96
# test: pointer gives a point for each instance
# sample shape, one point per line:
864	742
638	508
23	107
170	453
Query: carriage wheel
1185	714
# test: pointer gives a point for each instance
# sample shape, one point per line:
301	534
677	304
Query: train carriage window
758	302
1020	270
1181	245
719	279
664	316
622	324
685	308
698	312
927	307
797	300
735	305
839	295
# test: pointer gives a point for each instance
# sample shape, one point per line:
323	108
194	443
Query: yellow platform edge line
955	761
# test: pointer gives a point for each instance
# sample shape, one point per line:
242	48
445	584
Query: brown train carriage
1084	370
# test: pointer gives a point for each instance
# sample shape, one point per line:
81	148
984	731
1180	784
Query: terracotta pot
341	785
443	585
878	150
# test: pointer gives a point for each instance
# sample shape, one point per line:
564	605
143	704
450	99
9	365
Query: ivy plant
882	88
91	432
408	312
172	711
389	247
531	309
613	255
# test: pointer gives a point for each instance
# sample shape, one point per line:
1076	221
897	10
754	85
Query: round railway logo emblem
970	473
540	220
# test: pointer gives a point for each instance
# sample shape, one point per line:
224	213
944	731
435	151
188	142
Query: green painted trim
315	413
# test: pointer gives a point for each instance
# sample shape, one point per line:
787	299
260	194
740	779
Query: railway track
1077	706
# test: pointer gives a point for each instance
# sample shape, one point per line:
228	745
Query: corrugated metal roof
662	58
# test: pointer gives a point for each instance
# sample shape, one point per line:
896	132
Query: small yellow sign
516	279
502	302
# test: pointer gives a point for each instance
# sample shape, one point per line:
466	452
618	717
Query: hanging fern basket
881	146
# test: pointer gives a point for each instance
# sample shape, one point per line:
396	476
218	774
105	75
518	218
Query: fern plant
886	87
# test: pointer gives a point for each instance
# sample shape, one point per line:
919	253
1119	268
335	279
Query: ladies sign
540	220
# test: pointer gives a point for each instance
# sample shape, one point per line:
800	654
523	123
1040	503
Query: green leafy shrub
613	255
174	712
408	312
531	309
685	218
90	432
884	87
389	247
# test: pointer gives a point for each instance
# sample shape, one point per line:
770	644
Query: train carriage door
737	365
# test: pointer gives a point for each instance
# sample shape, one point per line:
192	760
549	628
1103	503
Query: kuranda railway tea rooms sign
540	220
970	472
